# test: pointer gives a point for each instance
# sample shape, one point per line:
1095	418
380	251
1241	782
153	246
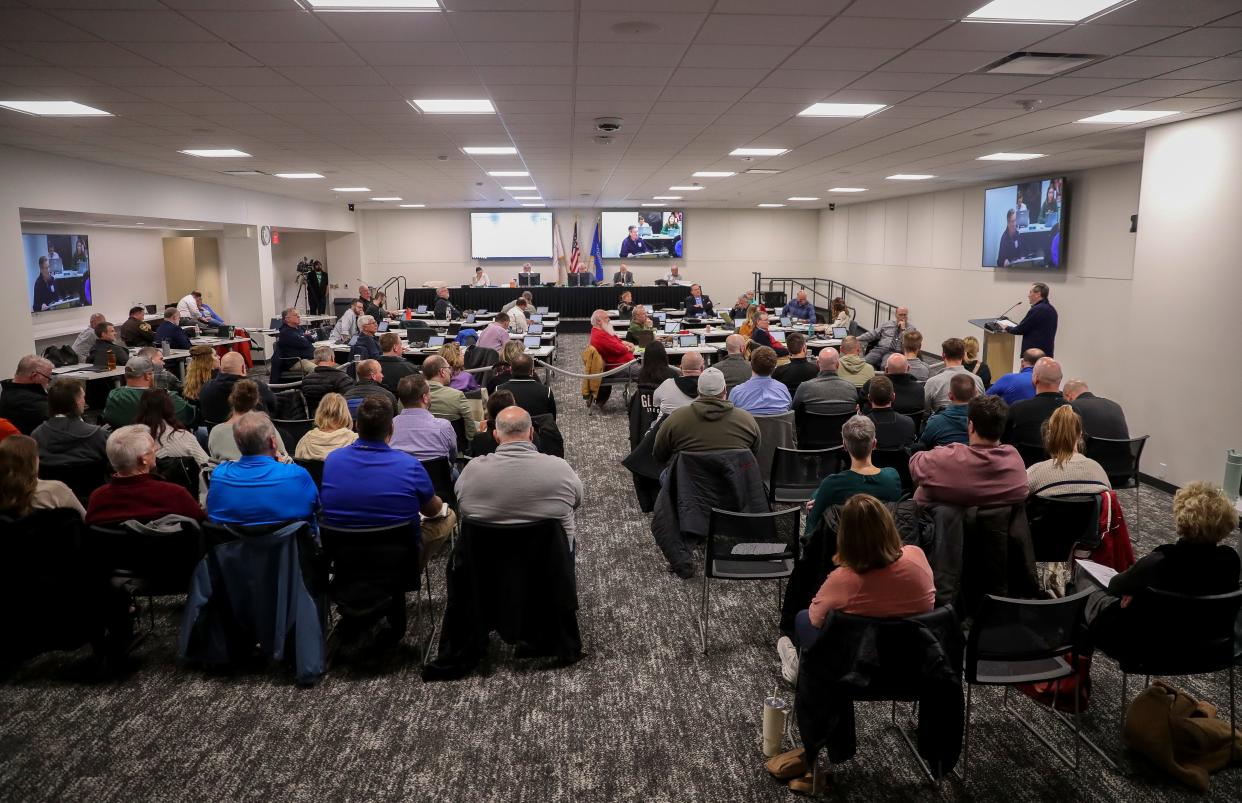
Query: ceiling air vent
1038	63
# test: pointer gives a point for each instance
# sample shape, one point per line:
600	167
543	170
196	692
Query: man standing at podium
1039	327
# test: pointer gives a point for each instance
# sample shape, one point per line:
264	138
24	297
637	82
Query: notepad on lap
1100	574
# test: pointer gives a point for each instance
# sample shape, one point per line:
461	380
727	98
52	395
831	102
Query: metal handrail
826	290
400	282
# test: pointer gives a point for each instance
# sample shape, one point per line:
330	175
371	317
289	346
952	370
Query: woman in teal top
858	436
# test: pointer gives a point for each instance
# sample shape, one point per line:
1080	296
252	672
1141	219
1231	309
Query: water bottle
164	349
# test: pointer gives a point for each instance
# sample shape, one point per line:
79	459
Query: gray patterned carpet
644	717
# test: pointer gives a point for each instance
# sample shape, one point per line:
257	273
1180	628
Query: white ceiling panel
1232	89
703	76
1181	12
511	26
389	54
236	76
638	54
1199	42
137	26
673	28
1073	85
26	25
982	36
82	54
840	58
823	80
1106	39
902	80
758	29
736	56
944	61
268	26
877	32
1160	88
1136	67
1229	69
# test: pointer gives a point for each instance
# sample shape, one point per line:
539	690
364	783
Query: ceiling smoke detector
607	125
1030	104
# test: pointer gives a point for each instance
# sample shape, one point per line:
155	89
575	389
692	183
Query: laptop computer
541	310
659	317
275	324
421	308
532	341
453	328
786	321
470	318
688	341
383	326
435	341
536	318
779	337
840	332
534	329
671	326
650	308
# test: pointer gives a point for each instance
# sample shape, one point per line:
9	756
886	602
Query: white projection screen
511	235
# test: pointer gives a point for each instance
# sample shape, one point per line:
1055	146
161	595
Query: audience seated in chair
1197	564
164	379
121	409
213	399
530	394
370	384
640	322
799	368
65	439
21	490
876	576
221	443
23	399
907	390
132	492
887	338
613	350
655	368
760	336
974	362
949	425
447	402
1027	417
853	367
393	364
333	429
1068	471
734	366
504	365
328	377
517	484
364	345
484	441
1015	387
257	488
370	484
415	430
892	429
107	341
983	472
936	391
912	350
677	391
858	437
460	379
200	369
293	348
157	413
762	394
709	423
827	393
84	343
496	334
1101	418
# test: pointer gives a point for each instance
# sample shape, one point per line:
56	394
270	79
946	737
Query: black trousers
316	303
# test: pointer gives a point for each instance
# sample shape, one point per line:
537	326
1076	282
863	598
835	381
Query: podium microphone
1005	314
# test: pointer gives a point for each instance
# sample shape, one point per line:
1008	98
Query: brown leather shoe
806	784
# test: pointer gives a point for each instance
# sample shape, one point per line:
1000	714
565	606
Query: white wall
285	257
925	251
1182	378
723	247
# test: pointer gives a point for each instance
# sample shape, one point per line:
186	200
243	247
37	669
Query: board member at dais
633	244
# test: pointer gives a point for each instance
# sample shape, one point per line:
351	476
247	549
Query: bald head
233	363
513	424
828	360
1075	388
691	364
1032	356
368	369
734	344
1047	375
897	364
850	345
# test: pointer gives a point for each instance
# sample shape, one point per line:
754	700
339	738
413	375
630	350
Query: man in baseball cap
708	423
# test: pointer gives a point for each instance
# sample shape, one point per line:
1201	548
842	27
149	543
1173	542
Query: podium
997	347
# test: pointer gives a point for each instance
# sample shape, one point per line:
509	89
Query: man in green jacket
122	406
708	423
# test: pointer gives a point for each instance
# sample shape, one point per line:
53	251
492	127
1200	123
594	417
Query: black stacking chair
1120	460
819	431
159	563
441	473
797	473
314	468
183	471
897	459
1031	453
1061	523
82	478
292	430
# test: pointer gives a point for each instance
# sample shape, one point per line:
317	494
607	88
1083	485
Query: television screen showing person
633	244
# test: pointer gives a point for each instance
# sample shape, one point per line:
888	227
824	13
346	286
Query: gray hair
858	434
513	422
365	320
324	354
253	433
138	366
284	316
32	364
127	445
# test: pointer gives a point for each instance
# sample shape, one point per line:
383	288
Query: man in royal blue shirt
258	489
170	331
1039	327
1016	387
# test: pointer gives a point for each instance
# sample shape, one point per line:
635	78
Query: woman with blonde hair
460	380
201	367
21	490
1068	470
974	363
503	371
748	325
333	429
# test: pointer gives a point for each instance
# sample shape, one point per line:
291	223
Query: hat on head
138	366
711	382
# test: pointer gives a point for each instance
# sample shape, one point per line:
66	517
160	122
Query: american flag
575	253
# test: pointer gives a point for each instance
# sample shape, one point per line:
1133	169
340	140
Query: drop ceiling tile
901	80
1201	42
823	80
82	54
531	92
1100	103
797	98
983	36
1182	12
877	32
1135	67
236	76
331	76
362	93
992	84
289	54
1073	85
499	26
736	56
1106	39
943	61
1160	88
1226	69
1232	21
272	26
950	100
263	93
172	93
410	28
516	74
389	54
758	29
654	54
1232	89
137	26
839	58
614	92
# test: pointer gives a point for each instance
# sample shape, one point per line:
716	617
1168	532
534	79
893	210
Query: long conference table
570	302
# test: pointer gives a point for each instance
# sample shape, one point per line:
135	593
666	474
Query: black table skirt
570	302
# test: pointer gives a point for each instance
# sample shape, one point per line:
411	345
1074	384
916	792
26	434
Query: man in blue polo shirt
258	489
1016	387
170	331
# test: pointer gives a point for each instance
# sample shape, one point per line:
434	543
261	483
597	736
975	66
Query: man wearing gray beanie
708	423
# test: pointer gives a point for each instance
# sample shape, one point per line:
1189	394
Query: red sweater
610	347
140	497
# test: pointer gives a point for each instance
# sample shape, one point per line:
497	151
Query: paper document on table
1098	572
1005	322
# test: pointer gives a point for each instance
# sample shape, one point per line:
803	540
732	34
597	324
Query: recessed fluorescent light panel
373	5
686	188
654	204
841	109
666	197
770	206
297	175
909	177
54	108
1063	11
242	172
847	189
522	188
1122	117
351	189
445	106
1010	157
714	174
387	198
489	151
761	171
534	205
758	151
528	198
802	198
413	206
215	153
508	173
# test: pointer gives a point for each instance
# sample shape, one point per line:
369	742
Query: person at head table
1010	246
633	244
45	294
481	279
623	275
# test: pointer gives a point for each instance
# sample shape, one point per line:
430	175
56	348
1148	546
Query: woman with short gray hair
858	437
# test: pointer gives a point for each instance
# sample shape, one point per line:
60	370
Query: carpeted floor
644	717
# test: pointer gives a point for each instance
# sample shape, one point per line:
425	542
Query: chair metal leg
1233	724
1122	709
966	737
703	613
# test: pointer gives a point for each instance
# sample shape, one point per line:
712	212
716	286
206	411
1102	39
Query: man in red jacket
133	493
613	349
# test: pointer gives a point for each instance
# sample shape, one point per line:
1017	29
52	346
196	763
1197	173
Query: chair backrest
1008	629
819	430
774	431
441	473
481	357
797	473
742	537
370	564
163	562
1031	453
293	430
183	471
459	429
1182	634
897	459
1120	458
899	650
1059	523
642	412
314	468
82	478
290	404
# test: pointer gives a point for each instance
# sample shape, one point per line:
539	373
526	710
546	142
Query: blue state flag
597	252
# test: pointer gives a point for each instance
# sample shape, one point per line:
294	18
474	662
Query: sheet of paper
1098	572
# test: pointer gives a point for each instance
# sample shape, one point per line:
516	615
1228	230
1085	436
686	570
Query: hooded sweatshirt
704	425
68	440
855	369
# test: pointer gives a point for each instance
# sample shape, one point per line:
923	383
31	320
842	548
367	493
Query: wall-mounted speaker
1133	223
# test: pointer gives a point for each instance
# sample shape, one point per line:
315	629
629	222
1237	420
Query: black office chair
1120	459
818	430
82	478
797	473
183	471
749	546
314	468
441	473
159	563
1031	453
897	459
292	431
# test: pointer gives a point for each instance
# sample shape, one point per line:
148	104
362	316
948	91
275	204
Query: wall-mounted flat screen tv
1024	225
58	271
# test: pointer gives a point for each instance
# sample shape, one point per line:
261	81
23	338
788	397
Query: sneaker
789	659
